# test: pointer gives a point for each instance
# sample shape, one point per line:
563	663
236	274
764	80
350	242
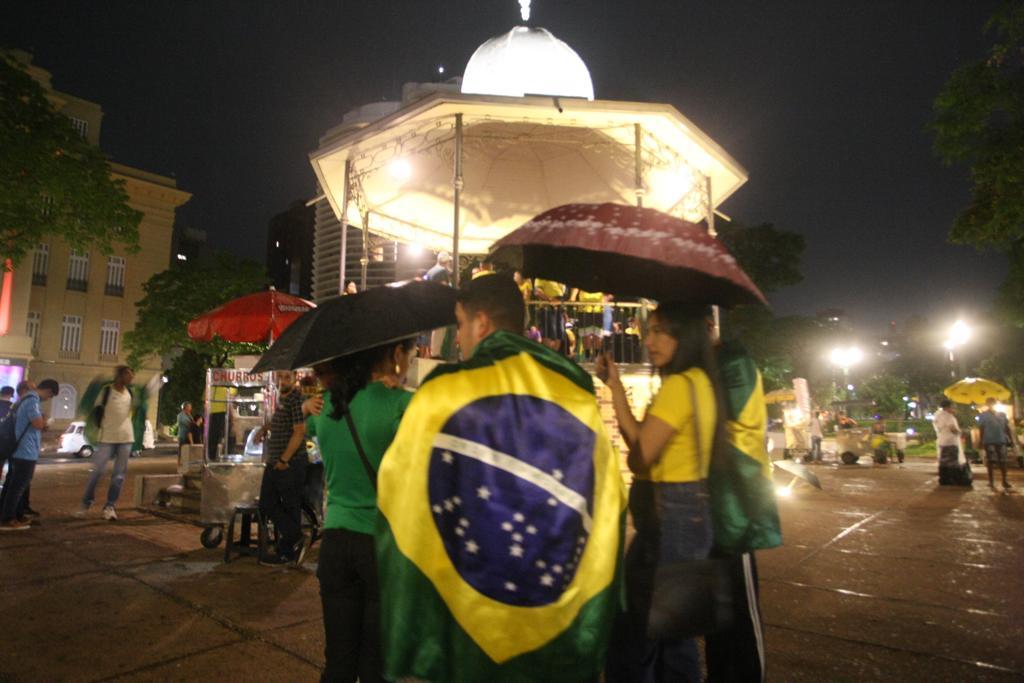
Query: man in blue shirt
995	439
29	424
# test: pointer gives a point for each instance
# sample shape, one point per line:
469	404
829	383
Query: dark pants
350	596
216	434
281	500
737	653
13	497
816	448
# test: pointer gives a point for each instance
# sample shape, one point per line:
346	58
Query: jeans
350	596
281	500
816	448
19	476
104	452
673	523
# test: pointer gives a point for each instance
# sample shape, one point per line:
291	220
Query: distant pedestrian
185	425
112	413
816	436
441	272
284	476
947	439
29	425
996	439
351	288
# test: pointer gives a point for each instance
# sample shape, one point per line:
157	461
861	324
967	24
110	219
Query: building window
78	271
65	403
47	209
32	329
70	336
81	126
110	334
115	276
40	264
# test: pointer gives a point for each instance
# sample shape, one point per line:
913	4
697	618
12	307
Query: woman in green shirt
369	383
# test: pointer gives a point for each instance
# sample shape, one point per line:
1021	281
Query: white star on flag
516	550
472	547
448	457
483	492
546	580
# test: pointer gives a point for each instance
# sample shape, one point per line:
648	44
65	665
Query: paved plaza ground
883	577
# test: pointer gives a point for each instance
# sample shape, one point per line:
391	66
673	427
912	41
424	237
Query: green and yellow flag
501	522
743	506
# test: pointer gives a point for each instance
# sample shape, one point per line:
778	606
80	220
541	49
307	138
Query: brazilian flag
744	511
501	522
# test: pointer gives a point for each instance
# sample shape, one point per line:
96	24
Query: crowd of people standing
689	425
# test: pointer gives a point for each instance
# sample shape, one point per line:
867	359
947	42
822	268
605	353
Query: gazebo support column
365	260
457	196
343	247
638	171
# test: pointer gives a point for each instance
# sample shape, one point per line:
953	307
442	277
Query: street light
845	357
959	334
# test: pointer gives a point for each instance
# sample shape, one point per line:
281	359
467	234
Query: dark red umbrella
628	251
256	318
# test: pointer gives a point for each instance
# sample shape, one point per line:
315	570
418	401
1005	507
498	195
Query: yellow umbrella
780	396
976	390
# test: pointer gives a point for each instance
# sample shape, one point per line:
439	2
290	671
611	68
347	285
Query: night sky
825	103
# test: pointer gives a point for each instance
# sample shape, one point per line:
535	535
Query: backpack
9	440
97	412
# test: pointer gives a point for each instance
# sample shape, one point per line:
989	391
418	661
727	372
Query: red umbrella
256	318
628	251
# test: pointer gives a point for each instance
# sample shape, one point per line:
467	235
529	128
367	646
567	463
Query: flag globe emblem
514	507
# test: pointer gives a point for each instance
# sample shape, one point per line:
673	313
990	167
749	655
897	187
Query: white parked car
73	441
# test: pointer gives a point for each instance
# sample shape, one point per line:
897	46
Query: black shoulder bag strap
370	472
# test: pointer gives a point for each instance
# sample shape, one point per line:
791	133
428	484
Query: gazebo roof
523	155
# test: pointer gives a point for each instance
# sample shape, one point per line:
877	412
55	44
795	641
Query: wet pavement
883	577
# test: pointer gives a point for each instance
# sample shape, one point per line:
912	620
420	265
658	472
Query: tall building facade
69	310
290	249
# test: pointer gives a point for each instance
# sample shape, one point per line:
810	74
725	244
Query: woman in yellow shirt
670	454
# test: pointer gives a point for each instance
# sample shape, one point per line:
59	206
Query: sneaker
29	512
274	561
15	525
109	514
299	552
80	512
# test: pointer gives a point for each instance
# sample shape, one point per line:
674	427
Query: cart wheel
211	536
849	458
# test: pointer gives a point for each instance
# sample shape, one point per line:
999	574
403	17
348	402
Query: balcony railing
77	285
114	290
69	355
582	330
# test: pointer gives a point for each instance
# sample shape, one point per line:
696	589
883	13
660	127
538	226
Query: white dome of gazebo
527	61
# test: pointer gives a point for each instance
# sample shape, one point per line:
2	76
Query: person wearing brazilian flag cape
502	510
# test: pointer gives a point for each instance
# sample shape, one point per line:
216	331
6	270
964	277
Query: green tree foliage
979	121
1006	365
770	256
53	182
184	291
186	381
887	390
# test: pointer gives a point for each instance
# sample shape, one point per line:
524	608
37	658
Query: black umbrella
360	321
